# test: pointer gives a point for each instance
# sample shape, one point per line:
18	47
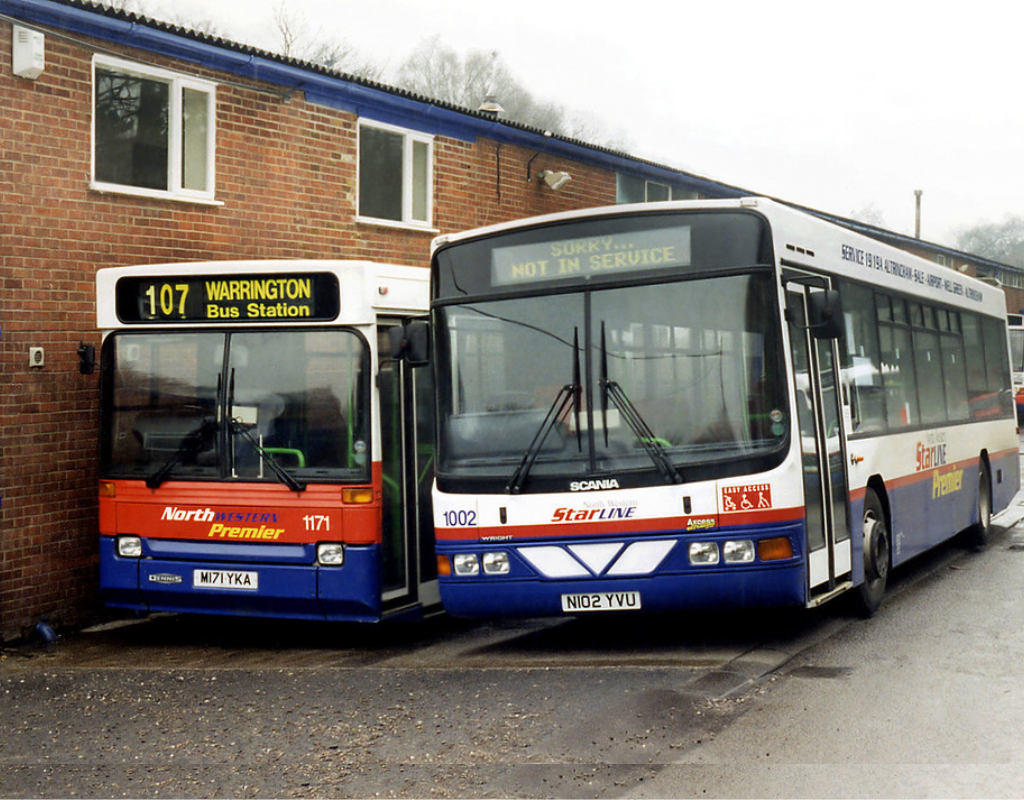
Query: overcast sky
846	108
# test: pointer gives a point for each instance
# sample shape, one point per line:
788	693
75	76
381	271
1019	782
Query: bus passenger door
408	565
820	418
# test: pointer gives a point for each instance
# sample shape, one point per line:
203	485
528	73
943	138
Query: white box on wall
29	53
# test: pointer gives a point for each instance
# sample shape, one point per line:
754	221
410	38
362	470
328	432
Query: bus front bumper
556	579
258	588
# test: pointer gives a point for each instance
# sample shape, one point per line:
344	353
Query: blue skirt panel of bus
940	503
237	587
675	584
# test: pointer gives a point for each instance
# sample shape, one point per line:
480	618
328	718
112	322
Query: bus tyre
980	533
876	557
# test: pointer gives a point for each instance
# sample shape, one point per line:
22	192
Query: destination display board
230	299
606	248
604	254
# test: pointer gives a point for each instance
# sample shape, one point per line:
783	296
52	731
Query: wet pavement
178	706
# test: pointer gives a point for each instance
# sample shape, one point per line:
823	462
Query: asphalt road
923	700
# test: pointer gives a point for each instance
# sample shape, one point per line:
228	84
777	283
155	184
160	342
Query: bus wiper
570	393
282	474
191	443
651	444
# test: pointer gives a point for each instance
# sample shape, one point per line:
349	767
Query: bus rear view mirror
411	341
825	314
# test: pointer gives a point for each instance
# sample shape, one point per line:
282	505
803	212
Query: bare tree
296	40
999	241
436	70
869	215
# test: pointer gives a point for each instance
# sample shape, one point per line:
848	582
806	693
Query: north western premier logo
944	483
930	456
249	525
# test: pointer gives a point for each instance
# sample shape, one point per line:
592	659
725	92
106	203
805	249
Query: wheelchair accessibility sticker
746	498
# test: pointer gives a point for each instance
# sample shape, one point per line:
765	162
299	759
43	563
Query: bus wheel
980	533
876	556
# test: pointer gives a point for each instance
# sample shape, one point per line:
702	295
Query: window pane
131	130
656	192
928	372
954	377
380	173
861	362
899	311
884	306
298	395
974	354
630	189
160	396
420	181
898	377
195	126
997	365
698	362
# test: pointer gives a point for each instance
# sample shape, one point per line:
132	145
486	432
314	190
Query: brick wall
286	176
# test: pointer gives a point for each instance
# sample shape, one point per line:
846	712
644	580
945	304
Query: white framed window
630	189
153	131
396	175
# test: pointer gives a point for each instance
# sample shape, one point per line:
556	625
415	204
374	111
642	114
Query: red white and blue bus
261	453
705	404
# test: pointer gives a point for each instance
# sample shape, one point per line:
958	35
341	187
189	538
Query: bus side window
861	363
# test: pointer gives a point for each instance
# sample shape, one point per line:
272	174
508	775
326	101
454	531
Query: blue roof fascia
333	91
323	89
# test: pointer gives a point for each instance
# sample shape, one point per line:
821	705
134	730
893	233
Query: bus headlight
741	552
129	546
496	563
330	554
466	564
703	553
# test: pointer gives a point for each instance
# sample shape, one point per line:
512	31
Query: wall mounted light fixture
554	180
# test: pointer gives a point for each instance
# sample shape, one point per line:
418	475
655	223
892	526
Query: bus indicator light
778	548
356	496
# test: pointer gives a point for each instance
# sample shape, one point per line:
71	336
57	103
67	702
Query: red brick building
128	141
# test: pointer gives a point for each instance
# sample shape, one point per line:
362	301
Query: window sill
151	194
414	227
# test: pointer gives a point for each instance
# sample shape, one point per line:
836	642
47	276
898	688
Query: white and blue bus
705	404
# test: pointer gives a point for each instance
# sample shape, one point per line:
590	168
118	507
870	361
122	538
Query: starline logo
592	514
175	514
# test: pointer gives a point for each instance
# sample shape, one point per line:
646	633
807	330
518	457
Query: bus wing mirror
411	341
825	314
